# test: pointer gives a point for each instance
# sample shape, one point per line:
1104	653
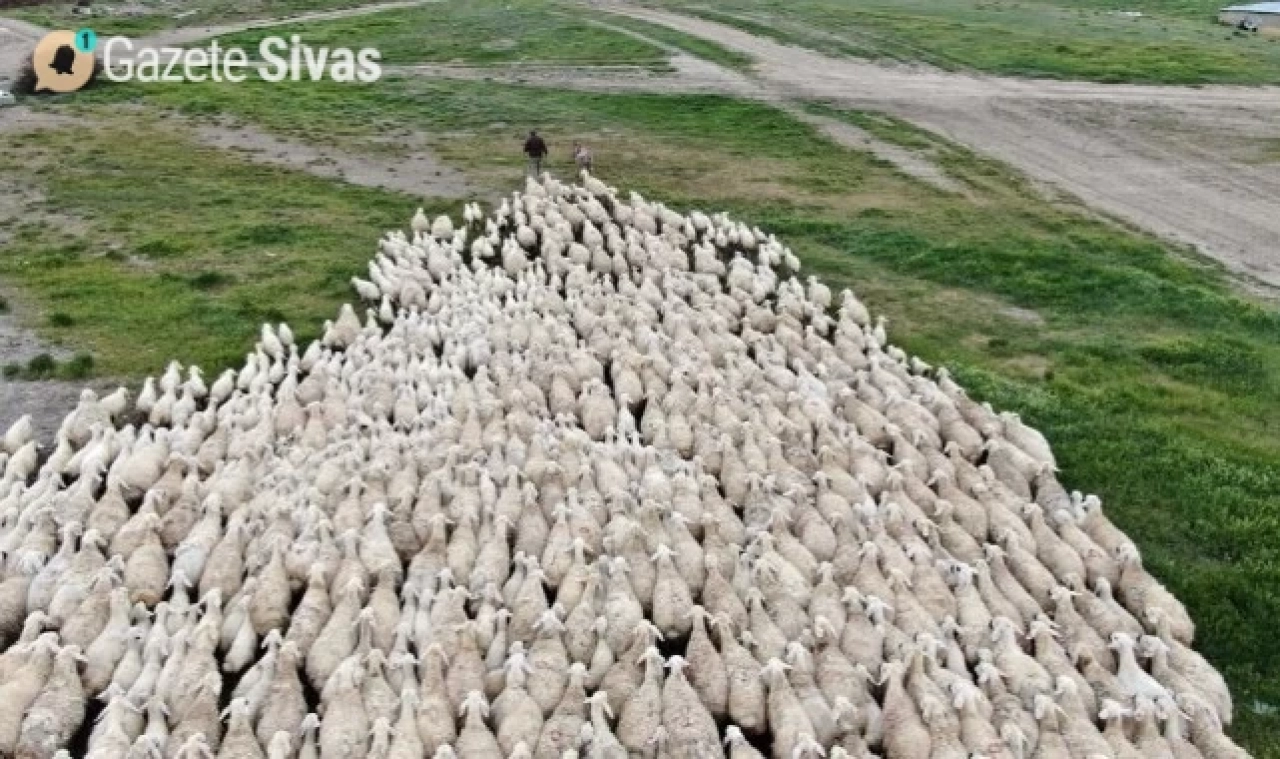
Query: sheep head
1121	641
774	672
1113	710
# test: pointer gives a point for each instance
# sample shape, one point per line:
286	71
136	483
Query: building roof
1272	7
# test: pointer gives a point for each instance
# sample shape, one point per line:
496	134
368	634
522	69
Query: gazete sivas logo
64	62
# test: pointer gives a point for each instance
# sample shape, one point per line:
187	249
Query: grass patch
1172	43
209	280
479	32
79	367
45	367
695	46
1269	149
210	246
157	15
60	16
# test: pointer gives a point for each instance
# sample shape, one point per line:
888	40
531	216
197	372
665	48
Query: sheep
707	672
107	649
565	723
475	741
22	688
200	716
671	596
240	741
285	705
434	716
518	716
1132	678
642	712
1141	592
57	711
345	728
1191	665
905	735
1113	716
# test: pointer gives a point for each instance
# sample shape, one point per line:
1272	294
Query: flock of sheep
591	479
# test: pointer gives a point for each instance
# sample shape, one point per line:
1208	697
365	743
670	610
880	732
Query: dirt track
17	39
1183	163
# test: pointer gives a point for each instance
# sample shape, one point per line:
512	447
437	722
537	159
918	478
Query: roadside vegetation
1168	43
180	251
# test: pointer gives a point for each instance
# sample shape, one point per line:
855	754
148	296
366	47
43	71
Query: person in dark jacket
536	148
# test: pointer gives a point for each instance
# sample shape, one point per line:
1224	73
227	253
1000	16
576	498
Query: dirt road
1188	164
17	39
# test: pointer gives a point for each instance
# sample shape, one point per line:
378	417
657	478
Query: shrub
41	366
25	82
209	280
79	367
59	319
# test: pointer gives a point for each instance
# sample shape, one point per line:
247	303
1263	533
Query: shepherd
536	148
582	156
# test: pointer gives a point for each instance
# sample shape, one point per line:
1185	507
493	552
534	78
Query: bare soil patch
47	401
418	172
17	40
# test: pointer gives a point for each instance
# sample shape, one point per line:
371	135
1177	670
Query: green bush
78	368
210	280
41	366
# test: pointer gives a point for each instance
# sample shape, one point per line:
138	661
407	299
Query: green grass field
185	249
153	15
476	32
60	17
1173	42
